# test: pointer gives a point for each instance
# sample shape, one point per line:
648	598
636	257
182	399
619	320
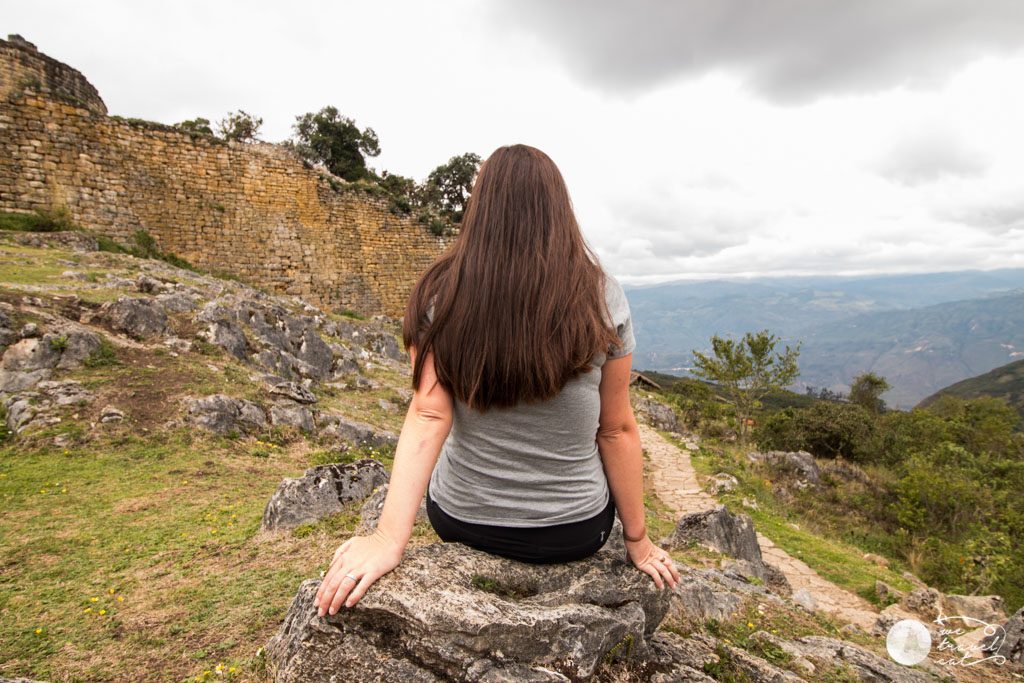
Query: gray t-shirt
532	464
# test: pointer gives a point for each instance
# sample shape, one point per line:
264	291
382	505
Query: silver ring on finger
349	576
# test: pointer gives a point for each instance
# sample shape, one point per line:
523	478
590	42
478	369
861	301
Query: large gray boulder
1009	642
221	413
799	464
988	608
452	613
138	317
353	431
33	359
292	414
657	414
720	530
321	491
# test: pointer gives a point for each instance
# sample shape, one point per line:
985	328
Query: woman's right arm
618	441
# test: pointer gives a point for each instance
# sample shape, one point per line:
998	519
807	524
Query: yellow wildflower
94	599
750	625
120	598
88	609
110	590
64	490
218	668
38	631
102	612
231	669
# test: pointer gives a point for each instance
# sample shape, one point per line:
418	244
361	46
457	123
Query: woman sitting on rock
520	431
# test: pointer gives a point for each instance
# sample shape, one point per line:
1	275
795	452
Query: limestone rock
924	601
293	391
293	414
1010	642
684	659
657	414
450	612
776	581
138	317
868	666
111	414
179	302
797	463
321	491
988	608
30	353
353	431
728	533
221	413
370	512
722	482
805	599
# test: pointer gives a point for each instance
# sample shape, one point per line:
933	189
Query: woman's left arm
427	424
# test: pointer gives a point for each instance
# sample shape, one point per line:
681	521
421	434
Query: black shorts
538	545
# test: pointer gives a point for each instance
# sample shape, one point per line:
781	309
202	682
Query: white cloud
694	175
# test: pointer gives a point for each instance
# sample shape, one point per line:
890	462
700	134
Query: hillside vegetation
935	489
1005	382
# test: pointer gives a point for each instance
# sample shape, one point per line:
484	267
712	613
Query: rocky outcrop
33	358
223	414
721	530
988	608
452	613
321	491
40	406
657	414
798	464
138	317
354	432
370	512
1009	642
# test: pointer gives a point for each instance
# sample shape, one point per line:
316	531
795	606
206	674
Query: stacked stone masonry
250	209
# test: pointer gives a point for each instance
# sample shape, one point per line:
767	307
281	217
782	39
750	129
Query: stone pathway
675	481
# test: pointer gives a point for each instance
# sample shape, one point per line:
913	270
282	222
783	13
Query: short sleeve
618	307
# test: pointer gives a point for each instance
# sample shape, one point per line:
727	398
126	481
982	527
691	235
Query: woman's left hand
357	563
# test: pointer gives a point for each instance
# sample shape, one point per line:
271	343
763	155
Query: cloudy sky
699	139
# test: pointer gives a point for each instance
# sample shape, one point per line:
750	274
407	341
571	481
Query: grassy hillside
1006	382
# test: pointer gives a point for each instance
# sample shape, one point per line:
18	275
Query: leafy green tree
402	190
747	369
239	126
867	390
198	125
326	137
448	186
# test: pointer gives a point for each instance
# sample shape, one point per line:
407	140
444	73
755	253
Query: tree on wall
747	369
448	186
197	125
239	126
326	137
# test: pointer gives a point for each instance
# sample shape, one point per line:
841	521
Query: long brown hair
518	299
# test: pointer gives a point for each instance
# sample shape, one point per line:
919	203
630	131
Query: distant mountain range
1006	381
921	331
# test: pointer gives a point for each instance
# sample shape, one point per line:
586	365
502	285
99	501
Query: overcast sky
698	139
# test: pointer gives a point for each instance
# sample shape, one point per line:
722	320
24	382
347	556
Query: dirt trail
675	482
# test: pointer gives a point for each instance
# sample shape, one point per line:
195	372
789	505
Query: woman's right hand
652	560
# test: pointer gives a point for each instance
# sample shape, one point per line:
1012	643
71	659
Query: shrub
826	429
45	220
